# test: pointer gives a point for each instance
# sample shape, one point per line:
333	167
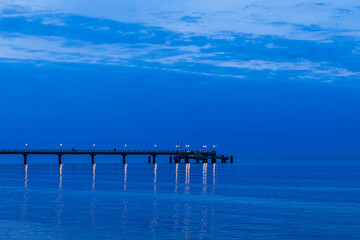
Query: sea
247	200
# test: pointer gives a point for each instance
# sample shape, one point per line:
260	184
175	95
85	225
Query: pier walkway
187	156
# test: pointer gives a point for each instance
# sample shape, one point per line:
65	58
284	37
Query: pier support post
154	159
186	158
149	159
59	160
231	159
170	159
213	159
124	161
25	158
92	158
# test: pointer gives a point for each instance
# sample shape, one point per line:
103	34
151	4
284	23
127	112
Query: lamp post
214	147
155	146
187	147
94	146
61	147
26	145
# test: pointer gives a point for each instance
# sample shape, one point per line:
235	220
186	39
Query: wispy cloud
212	18
209	41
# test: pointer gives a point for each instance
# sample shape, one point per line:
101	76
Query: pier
175	156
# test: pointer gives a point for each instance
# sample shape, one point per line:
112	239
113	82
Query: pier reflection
204	220
93	177
187	173
214	168
204	179
176	177
214	179
59	199
187	220
176	216
25	194
93	201
124	214
125	176
60	175
26	176
176	172
155	176
187	178
154	221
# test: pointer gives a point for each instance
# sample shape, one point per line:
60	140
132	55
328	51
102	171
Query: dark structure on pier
178	156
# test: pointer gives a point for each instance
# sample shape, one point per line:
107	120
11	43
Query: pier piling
124	160
25	158
59	158
170	159
186	158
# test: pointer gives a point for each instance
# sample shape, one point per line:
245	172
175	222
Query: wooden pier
175	156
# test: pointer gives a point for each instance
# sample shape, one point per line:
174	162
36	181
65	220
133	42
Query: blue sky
264	79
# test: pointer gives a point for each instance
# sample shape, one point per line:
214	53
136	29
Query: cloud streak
281	18
188	40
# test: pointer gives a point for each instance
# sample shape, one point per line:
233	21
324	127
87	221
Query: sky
259	79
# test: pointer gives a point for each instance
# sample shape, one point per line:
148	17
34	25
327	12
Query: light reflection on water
93	177
187	178
154	221
196	201
214	169
125	175
204	179
60	175
26	176
93	201
176	177
187	173
214	179
25	194
155	176
59	199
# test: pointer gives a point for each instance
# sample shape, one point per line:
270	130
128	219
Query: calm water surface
250	200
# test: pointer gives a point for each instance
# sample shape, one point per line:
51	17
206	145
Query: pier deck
196	156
